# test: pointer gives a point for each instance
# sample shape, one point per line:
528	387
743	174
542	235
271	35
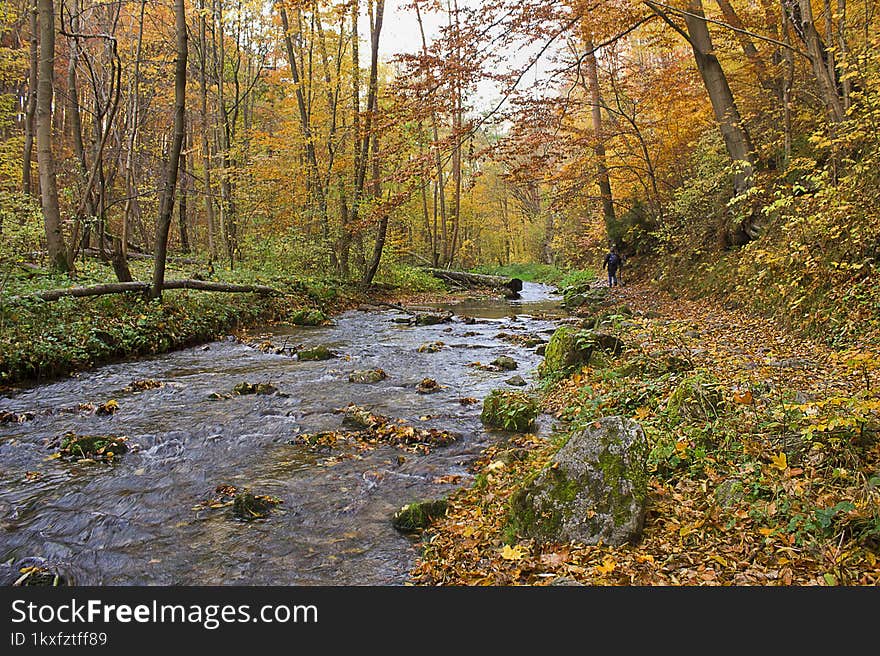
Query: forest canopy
295	136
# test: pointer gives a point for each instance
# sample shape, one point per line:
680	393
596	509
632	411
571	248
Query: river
140	520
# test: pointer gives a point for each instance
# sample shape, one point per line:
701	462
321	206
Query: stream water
133	522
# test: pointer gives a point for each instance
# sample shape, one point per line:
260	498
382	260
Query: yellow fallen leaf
607	566
512	553
642	412
765	531
780	461
718	559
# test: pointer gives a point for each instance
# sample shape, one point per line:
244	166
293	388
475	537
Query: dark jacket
612	262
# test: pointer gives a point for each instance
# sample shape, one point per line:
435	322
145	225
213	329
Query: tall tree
166	204
57	251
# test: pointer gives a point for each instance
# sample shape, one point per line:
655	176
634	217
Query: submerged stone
430	318
428	386
367	376
418	516
505	362
248	505
254	388
516	381
594	489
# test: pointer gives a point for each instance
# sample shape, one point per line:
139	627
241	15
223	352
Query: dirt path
778	485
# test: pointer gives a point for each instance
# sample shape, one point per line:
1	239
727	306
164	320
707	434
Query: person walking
612	263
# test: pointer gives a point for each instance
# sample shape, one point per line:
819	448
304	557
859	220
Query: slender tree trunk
132	200
33	77
372	138
736	138
166	205
602	177
305	126
748	47
45	158
206	144
800	13
183	181
440	202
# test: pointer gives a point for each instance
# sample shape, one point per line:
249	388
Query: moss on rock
248	505
594	489
96	447
419	515
320	352
308	317
699	396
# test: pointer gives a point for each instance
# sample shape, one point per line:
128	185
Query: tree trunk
166	205
45	159
736	137
33	77
602	177
823	69
134	123
206	144
181	204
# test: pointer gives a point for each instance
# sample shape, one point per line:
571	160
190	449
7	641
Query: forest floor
772	478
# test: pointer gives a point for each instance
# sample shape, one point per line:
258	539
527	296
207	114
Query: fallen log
476	279
139	286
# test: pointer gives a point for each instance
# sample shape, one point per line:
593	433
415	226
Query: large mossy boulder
582	295
570	348
320	352
510	410
593	490
418	516
699	397
308	317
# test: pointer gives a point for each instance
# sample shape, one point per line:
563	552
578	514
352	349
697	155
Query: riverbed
142	519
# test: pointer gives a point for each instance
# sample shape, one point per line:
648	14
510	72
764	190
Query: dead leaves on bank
780	488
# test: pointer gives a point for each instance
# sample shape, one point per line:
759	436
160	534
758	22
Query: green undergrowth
544	273
41	340
767	464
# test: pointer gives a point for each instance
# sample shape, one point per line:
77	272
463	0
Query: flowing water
134	521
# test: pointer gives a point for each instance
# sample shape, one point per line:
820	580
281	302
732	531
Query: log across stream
154	515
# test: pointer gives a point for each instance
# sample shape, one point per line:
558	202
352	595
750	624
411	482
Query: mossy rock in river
418	516
594	489
571	348
248	505
320	352
582	295
367	376
510	410
96	447
308	317
505	363
254	388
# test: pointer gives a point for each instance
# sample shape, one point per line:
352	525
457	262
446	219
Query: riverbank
41	341
774	479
